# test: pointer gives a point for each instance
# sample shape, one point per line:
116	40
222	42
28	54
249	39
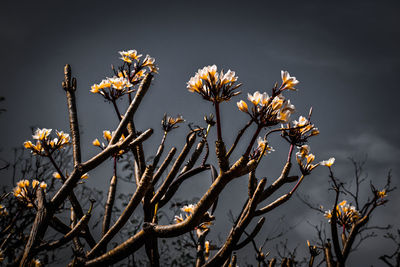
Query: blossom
149	62
120	83
214	86
298	131
346	215
254	98
56	175
188	208
96	142
113	88
288	82
169	123
207	247
381	194
26	193
266	110
41	134
263	148
35	183
96	88
85	176
107	135
44	145
304	159
43	185
242	106
328	162
129	56
3	210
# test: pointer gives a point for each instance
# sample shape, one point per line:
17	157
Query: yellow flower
188	208
169	123
303	151
85	176
41	134
263	146
207	247
96	142
120	83
179	219
212	86
149	62
129	56
43	185
35	263
302	121
287	81
17	191
346	214
382	193
35	183
277	102
328	162
21	183
29	145
310	158
242	106
228	77
56	175
107	135
255	98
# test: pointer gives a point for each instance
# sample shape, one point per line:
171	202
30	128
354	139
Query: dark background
345	55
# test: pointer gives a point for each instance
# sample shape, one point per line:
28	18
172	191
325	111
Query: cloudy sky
345	54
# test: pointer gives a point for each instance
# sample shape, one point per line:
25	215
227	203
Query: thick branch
145	182
38	228
69	86
109	204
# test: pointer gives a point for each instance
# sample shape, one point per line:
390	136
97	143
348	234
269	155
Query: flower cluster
126	77
267	110
169	123
107	135
189	209
132	57
112	88
44	145
346	215
26	193
213	86
298	132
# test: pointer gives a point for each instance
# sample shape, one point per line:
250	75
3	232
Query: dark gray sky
345	54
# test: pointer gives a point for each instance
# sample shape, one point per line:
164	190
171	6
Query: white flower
328	162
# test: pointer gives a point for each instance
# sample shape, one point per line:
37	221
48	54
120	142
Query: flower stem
219	134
